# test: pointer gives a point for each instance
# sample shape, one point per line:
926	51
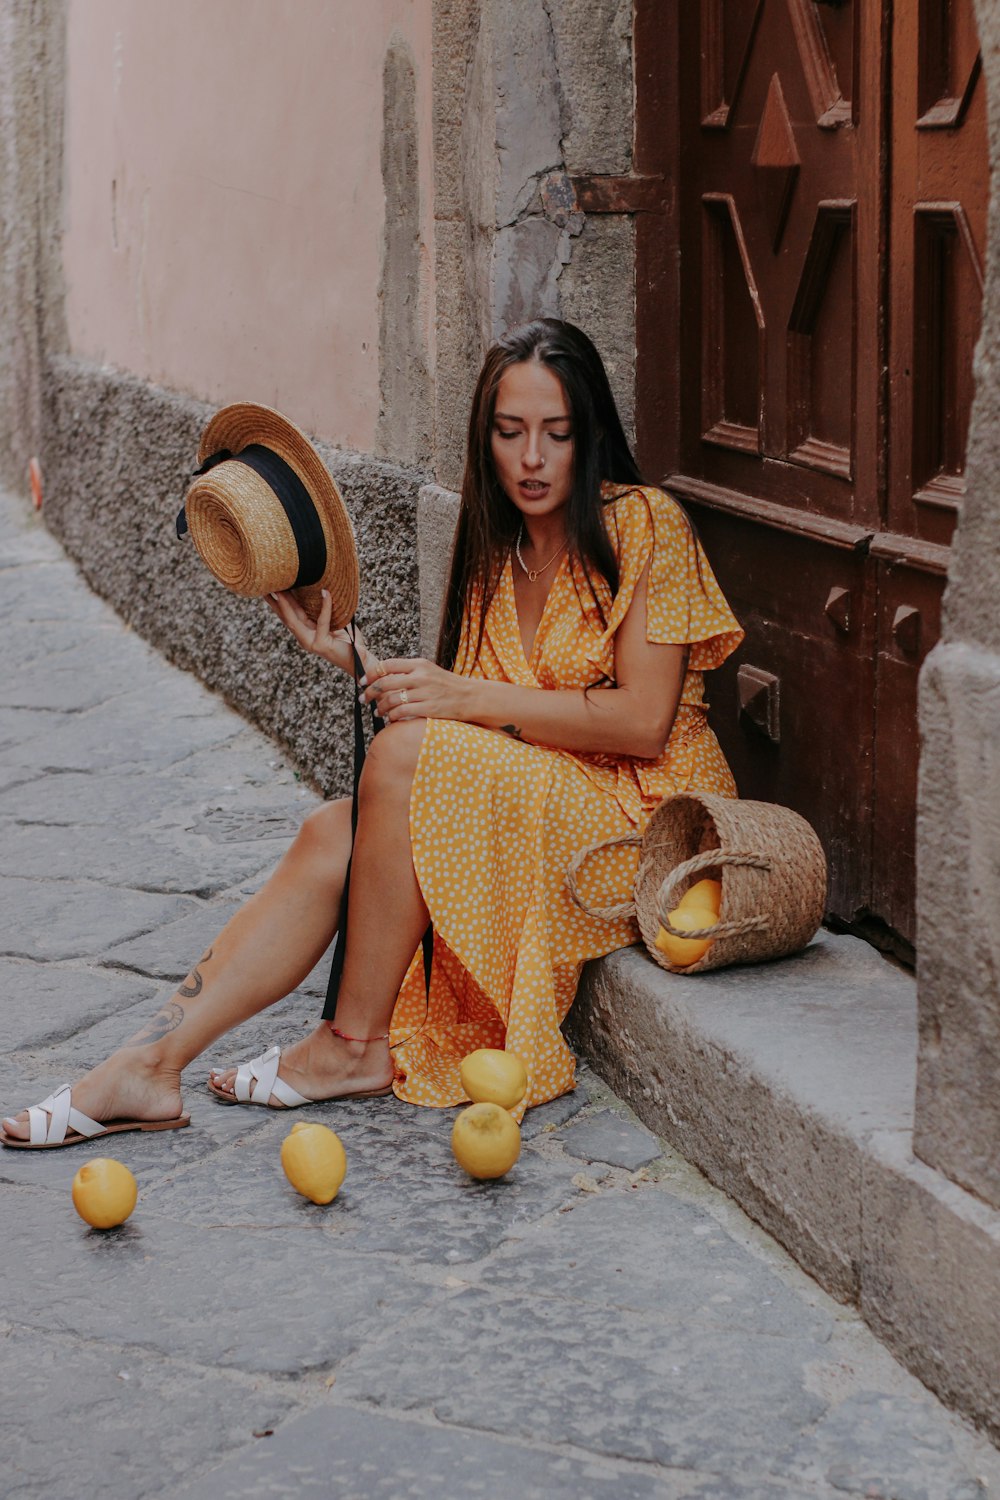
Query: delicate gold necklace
534	573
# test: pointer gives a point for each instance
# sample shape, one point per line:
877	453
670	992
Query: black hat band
285	484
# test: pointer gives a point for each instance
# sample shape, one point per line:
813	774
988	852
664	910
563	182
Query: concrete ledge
791	1086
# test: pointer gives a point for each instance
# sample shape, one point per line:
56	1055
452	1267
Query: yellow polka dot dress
495	822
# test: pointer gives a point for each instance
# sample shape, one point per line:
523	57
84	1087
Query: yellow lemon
486	1140
491	1076
703	894
684	951
314	1161
104	1192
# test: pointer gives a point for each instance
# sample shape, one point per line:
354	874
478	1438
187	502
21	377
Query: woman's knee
327	830
392	758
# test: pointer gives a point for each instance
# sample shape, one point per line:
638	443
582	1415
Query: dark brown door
809	280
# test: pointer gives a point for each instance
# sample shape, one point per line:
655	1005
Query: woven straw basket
770	863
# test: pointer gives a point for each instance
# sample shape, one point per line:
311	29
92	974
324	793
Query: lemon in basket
703	895
683	951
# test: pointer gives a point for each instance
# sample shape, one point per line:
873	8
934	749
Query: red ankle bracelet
384	1037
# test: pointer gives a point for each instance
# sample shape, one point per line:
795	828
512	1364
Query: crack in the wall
561	93
564	105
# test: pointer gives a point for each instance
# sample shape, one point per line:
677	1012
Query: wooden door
937	205
807	238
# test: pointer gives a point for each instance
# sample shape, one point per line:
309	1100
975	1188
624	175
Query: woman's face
532	439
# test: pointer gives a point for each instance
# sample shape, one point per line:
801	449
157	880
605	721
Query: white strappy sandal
55	1123
257	1082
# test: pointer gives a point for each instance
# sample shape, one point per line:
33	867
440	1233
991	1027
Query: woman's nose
533	455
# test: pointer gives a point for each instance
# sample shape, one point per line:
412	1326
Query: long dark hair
488	522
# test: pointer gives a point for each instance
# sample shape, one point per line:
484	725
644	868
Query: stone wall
118	456
116	449
958	1098
527	94
32	72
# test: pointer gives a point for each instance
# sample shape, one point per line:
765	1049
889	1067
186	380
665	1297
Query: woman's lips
533	488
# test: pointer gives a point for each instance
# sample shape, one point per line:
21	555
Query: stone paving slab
280	1301
168	951
620	1384
168	861
70	918
78	678
587	1325
351	1452
404	1193
157	738
43	1004
80	799
874	1444
94	1419
29	641
20	724
608	1138
49	591
674	1263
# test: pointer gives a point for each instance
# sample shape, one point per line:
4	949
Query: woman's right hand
316	637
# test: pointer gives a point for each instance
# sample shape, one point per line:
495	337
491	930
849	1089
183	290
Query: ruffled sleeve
684	604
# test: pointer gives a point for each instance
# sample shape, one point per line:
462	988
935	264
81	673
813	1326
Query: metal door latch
759	700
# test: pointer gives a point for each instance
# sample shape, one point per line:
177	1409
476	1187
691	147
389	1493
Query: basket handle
603	913
705	861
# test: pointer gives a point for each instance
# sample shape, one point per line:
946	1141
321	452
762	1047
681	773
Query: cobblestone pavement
601	1324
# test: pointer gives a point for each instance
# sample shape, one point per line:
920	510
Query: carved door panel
780	231
937	208
780	272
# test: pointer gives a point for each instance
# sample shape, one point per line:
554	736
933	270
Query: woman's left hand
412	688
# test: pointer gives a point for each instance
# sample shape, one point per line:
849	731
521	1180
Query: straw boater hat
265	515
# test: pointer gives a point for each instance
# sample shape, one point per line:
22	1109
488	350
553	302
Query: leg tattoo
193	986
168	1019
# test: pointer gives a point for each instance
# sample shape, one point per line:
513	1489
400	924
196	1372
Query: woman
566	702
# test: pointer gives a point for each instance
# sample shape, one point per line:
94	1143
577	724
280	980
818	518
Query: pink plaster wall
224	204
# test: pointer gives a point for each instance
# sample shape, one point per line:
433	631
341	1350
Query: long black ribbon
303	517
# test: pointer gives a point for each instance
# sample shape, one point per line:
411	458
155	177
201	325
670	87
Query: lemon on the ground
492	1076
684	951
314	1161
704	893
486	1140
104	1192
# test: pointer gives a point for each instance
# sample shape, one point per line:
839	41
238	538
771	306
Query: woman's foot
324	1067
124	1087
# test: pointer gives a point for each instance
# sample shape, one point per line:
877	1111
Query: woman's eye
562	437
501	434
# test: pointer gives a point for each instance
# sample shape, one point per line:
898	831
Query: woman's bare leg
272	942
386	920
262	953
